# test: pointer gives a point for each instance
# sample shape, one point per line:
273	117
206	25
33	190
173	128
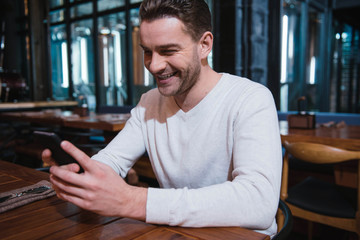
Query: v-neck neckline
198	108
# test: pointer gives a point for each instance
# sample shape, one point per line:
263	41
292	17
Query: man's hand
99	189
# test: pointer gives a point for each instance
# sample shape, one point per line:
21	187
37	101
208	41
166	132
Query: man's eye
168	51
146	52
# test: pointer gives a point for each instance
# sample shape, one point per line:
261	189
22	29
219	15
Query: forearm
136	203
227	204
121	153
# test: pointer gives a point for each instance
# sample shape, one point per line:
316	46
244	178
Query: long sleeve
218	164
127	146
227	171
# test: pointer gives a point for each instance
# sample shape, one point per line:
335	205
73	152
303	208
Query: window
95	52
82	59
345	80
302	57
290	59
112	66
90	54
56	3
59	61
109	4
143	80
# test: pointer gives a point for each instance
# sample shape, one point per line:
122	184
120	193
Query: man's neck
207	81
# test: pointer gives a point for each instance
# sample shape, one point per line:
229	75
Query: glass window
82	59
78	1
56	3
209	3
302	55
290	58
345	75
57	16
114	41
210	57
112	64
313	70
109	4
142	79
59	62
81	10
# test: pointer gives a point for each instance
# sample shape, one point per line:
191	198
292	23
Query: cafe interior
75	67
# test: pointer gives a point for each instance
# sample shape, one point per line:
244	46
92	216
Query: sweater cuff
158	206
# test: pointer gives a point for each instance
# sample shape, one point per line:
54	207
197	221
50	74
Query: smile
163	77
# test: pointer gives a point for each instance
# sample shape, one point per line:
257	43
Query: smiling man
212	138
179	64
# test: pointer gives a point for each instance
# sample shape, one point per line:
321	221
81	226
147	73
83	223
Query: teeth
166	76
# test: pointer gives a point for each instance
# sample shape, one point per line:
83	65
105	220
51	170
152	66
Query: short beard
188	78
191	78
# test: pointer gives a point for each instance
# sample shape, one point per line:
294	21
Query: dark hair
195	14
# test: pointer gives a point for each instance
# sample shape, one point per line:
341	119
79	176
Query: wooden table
107	122
53	218
45	117
37	104
347	137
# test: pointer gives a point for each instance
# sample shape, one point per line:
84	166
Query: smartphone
52	141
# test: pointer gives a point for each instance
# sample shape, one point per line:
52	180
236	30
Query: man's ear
206	44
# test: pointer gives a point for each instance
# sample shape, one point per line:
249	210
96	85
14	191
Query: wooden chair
319	201
284	221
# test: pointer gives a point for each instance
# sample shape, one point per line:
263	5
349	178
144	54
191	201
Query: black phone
52	141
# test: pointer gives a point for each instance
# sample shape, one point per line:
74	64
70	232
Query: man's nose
157	63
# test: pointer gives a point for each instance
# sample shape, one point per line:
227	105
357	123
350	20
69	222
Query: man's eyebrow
143	47
165	46
170	45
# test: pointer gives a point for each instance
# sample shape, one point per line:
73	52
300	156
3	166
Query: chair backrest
320	154
284	221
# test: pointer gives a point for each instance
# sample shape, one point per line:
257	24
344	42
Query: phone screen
52	141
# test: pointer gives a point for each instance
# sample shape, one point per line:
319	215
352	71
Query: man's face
171	55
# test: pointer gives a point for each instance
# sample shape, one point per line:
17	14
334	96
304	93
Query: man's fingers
77	154
46	157
64	186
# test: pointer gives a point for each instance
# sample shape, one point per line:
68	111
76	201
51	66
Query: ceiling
348	11
350	16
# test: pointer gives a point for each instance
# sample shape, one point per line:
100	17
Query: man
212	139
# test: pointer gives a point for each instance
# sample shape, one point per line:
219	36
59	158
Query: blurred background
88	50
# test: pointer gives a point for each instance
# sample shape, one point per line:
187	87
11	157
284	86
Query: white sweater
218	164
